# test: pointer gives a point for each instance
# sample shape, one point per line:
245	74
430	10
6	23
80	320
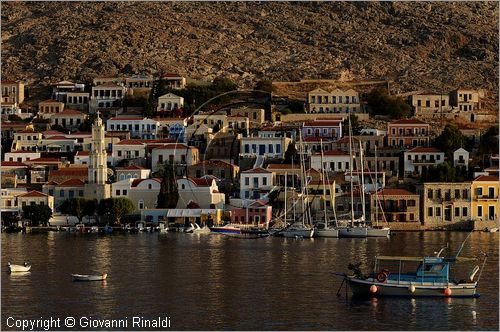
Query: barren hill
438	45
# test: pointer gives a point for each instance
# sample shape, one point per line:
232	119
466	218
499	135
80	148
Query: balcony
424	162
486	197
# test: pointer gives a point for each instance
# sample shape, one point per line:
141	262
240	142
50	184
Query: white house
203	191
138	127
169	101
461	158
128	149
335	161
335	101
105	95
142	192
83	158
269	147
132	172
21	156
255	183
418	158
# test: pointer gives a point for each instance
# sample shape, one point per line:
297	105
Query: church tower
96	186
98	157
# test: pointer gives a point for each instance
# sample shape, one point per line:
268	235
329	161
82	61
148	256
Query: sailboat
301	229
352	230
323	229
377	231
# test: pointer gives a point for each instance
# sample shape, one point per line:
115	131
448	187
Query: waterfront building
335	161
274	147
35	198
408	133
183	217
335	101
202	191
130	149
255	183
444	203
9	200
416	159
395	205
142	192
97	176
293	174
172	128
256	214
71	188
484	199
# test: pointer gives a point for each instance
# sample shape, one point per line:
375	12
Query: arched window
122	177
141	204
150	186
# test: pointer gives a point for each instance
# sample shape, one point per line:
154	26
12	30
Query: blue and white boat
415	277
226	229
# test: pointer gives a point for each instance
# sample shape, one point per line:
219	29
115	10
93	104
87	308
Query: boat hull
353	232
407	289
378	232
304	233
86	277
225	231
328	232
19	268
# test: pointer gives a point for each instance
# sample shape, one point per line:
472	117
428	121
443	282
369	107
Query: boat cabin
413	269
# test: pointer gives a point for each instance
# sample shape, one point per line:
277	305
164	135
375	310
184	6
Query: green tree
441	173
116	208
381	103
290	153
264	85
450	140
37	214
79	207
356	125
489	141
169	195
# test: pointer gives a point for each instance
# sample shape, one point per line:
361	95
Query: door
447	213
491	212
262	149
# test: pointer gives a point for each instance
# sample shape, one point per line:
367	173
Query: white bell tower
98	171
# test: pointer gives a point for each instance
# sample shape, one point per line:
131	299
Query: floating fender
373	289
447	292
412	289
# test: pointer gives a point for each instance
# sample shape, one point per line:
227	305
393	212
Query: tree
450	140
264	85
442	173
86	125
290	153
37	214
381	103
169	195
59	128
356	126
78	207
116	208
489	141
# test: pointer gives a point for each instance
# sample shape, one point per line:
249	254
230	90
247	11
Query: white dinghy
89	277
18	268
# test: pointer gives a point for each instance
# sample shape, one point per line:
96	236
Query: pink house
257	214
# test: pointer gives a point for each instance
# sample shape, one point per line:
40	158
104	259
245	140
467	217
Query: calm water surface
217	282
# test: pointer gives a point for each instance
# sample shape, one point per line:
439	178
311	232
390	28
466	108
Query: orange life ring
382	276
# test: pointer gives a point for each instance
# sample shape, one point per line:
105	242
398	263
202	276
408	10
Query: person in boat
25	264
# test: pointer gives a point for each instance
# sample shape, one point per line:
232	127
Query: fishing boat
228	229
415	277
18	268
89	277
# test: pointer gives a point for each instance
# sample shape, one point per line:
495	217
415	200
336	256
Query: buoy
373	289
411	289
447	292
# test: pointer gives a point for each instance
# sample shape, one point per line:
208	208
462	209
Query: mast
350	169
376	187
362	181
324	178
285	198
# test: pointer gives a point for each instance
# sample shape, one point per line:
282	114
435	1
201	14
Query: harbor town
309	158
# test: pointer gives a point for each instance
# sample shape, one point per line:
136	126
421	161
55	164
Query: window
429	193
119	153
479	191
61	193
150	186
491	192
457	212
465	194
247	181
429	212
479	211
141	204
264	181
124	192
464	212
278	148
457	193
438	157
438	212
117	192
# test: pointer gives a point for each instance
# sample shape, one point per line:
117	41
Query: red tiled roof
58	137
51	132
322	123
488	178
78	171
332	153
68	111
22	151
12	164
50	101
422	149
109	85
395	192
202	182
256	170
345	139
130	142
72	183
28	131
131	167
282	166
33	193
83	153
44	160
123	119
174	146
408	121
171	75
136	182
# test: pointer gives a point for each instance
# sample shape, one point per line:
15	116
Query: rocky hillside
418	45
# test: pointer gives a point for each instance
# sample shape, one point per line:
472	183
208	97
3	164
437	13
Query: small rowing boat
89	277
18	268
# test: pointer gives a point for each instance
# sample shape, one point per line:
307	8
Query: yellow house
484	200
